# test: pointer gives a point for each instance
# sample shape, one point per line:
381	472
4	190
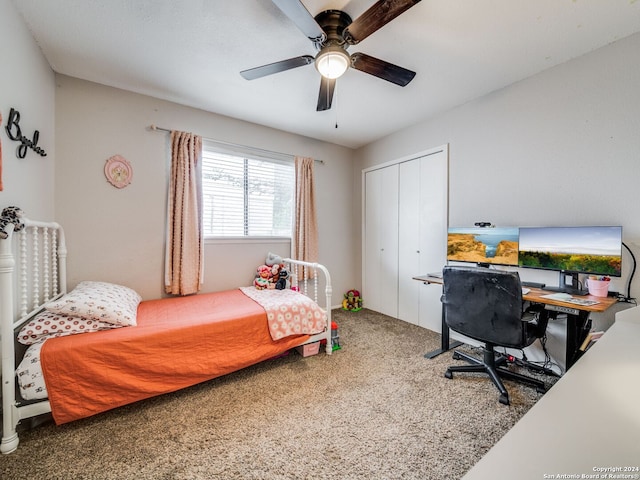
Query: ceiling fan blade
298	14
381	69
276	67
327	85
376	17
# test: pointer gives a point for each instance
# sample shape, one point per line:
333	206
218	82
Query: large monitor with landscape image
573	250
483	245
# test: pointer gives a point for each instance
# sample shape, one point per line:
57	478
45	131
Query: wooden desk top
536	295
430	278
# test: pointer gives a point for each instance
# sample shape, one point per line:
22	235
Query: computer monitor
593	250
483	245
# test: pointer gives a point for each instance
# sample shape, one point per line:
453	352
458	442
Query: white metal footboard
308	278
32	273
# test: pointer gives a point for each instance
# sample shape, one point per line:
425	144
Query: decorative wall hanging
15	133
118	171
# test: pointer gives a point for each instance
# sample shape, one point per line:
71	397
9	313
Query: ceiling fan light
332	61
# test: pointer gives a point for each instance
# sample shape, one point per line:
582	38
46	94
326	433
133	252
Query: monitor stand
572	289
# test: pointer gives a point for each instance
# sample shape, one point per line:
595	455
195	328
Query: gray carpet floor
376	409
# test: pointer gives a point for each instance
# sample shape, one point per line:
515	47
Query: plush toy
283	279
273	259
10	215
272	274
273	277
275	271
262	277
352	301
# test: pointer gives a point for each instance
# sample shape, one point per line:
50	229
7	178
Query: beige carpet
376	409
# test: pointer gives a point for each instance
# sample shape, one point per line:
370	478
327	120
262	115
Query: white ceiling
191	52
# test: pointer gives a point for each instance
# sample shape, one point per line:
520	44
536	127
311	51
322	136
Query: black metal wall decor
14	133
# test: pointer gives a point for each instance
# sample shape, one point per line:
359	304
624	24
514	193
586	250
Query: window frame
251	154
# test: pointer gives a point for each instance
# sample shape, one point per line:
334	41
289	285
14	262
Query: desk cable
629	298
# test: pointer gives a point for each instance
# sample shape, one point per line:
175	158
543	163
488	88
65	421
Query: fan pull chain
335	103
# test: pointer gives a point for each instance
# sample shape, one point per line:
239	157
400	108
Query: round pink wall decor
118	171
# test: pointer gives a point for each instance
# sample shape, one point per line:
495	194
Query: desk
587	420
578	323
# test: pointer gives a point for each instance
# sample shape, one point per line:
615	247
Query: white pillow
102	301
48	325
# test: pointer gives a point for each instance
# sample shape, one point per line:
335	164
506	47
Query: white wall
26	84
119	234
559	148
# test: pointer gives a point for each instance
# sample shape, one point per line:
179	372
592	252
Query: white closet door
434	200
405	215
409	241
422	236
380	285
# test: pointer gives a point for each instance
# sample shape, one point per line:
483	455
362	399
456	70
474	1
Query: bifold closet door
409	245
380	269
422	231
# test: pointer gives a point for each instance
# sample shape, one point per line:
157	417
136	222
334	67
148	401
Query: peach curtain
305	239
184	246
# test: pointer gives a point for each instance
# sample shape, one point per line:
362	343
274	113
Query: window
246	195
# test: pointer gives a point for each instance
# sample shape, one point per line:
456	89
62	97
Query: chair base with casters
493	367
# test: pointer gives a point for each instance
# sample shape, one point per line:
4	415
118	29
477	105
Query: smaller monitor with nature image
589	250
483	245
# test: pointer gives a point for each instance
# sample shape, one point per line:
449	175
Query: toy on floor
352	301
335	338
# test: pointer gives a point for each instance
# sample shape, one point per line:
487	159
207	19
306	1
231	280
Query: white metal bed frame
23	294
39	276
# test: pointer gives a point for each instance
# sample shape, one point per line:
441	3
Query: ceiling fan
332	32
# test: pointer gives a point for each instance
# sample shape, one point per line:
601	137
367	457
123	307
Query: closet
405	206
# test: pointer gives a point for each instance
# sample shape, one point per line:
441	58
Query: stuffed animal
273	259
272	274
283	280
262	277
10	215
275	271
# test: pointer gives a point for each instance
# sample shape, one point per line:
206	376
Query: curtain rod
156	128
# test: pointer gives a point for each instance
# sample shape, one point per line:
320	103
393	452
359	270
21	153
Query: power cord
545	366
629	298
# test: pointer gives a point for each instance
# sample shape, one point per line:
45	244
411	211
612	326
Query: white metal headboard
32	272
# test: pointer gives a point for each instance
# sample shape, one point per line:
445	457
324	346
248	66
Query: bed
79	353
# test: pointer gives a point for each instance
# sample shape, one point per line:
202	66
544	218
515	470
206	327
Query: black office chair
486	305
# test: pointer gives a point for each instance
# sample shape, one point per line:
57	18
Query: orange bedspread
178	342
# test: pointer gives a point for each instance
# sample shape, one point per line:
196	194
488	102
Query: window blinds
246	195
